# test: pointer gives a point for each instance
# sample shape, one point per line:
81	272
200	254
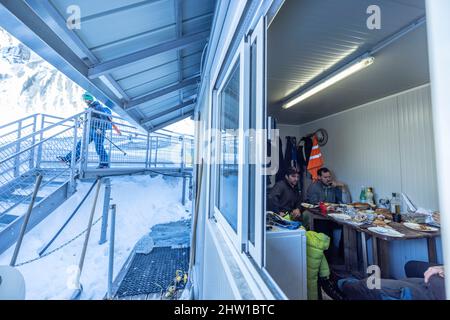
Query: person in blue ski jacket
99	124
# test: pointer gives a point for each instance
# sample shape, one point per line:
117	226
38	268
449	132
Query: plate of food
340	216
309	205
381	222
420	227
386	231
329	204
360	206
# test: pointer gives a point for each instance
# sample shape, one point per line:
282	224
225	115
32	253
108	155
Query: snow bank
142	202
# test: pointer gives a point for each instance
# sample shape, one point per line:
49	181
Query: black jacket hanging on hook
304	151
291	156
281	162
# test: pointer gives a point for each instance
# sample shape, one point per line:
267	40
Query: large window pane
227	179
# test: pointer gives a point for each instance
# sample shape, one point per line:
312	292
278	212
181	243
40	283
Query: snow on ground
142	202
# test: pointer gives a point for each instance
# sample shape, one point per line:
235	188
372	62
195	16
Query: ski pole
115	145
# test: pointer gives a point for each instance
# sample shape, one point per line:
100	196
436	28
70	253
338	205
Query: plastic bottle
369	196
395	203
362	195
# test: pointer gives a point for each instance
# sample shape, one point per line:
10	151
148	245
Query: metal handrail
34	146
42	130
18	120
185	142
14	131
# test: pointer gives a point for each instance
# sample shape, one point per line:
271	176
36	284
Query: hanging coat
317	265
294	154
290	154
281	163
304	151
315	159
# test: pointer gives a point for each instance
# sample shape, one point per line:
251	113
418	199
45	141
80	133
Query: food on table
329	204
360	205
360	217
308	205
436	217
386	231
379	223
382	210
385	212
419	227
415	217
340	216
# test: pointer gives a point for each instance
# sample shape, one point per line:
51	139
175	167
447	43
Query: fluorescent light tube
330	80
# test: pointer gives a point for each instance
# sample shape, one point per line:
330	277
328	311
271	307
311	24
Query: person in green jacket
317	265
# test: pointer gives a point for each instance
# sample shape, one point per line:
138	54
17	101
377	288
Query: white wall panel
417	147
386	144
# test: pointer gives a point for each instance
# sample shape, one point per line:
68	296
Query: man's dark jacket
283	197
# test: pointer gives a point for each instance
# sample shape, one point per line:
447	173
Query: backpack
106	122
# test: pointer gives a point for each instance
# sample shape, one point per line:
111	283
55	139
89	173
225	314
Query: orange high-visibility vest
315	159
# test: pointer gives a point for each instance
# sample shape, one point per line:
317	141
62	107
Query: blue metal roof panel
160	82
134	49
109	24
194	8
166	102
132	44
178	114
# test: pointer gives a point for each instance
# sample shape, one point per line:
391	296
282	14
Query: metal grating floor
153	272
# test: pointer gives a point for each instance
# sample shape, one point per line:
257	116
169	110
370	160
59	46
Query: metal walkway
31	146
147	275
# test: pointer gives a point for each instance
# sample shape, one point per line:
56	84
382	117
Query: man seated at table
284	197
424	282
325	189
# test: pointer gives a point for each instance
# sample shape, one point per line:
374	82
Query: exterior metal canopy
140	57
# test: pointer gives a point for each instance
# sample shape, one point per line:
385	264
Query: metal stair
30	147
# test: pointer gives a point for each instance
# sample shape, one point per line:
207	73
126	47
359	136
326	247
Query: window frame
235	236
256	250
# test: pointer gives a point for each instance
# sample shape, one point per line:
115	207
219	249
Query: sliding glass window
228	168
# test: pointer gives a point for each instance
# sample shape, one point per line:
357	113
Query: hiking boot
63	160
331	289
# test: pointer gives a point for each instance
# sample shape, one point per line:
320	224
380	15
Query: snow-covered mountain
28	84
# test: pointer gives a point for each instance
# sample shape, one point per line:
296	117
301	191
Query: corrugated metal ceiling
143	55
309	39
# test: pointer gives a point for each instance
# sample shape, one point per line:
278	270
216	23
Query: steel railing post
156	150
106	201
110	144
111	250
182	153
33	141
41	136
73	160
147	155
193	154
26	219
17	158
183	197
84	155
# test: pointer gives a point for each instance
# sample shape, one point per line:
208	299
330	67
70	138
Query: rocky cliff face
28	84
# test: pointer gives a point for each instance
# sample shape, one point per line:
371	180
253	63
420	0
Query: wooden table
380	252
